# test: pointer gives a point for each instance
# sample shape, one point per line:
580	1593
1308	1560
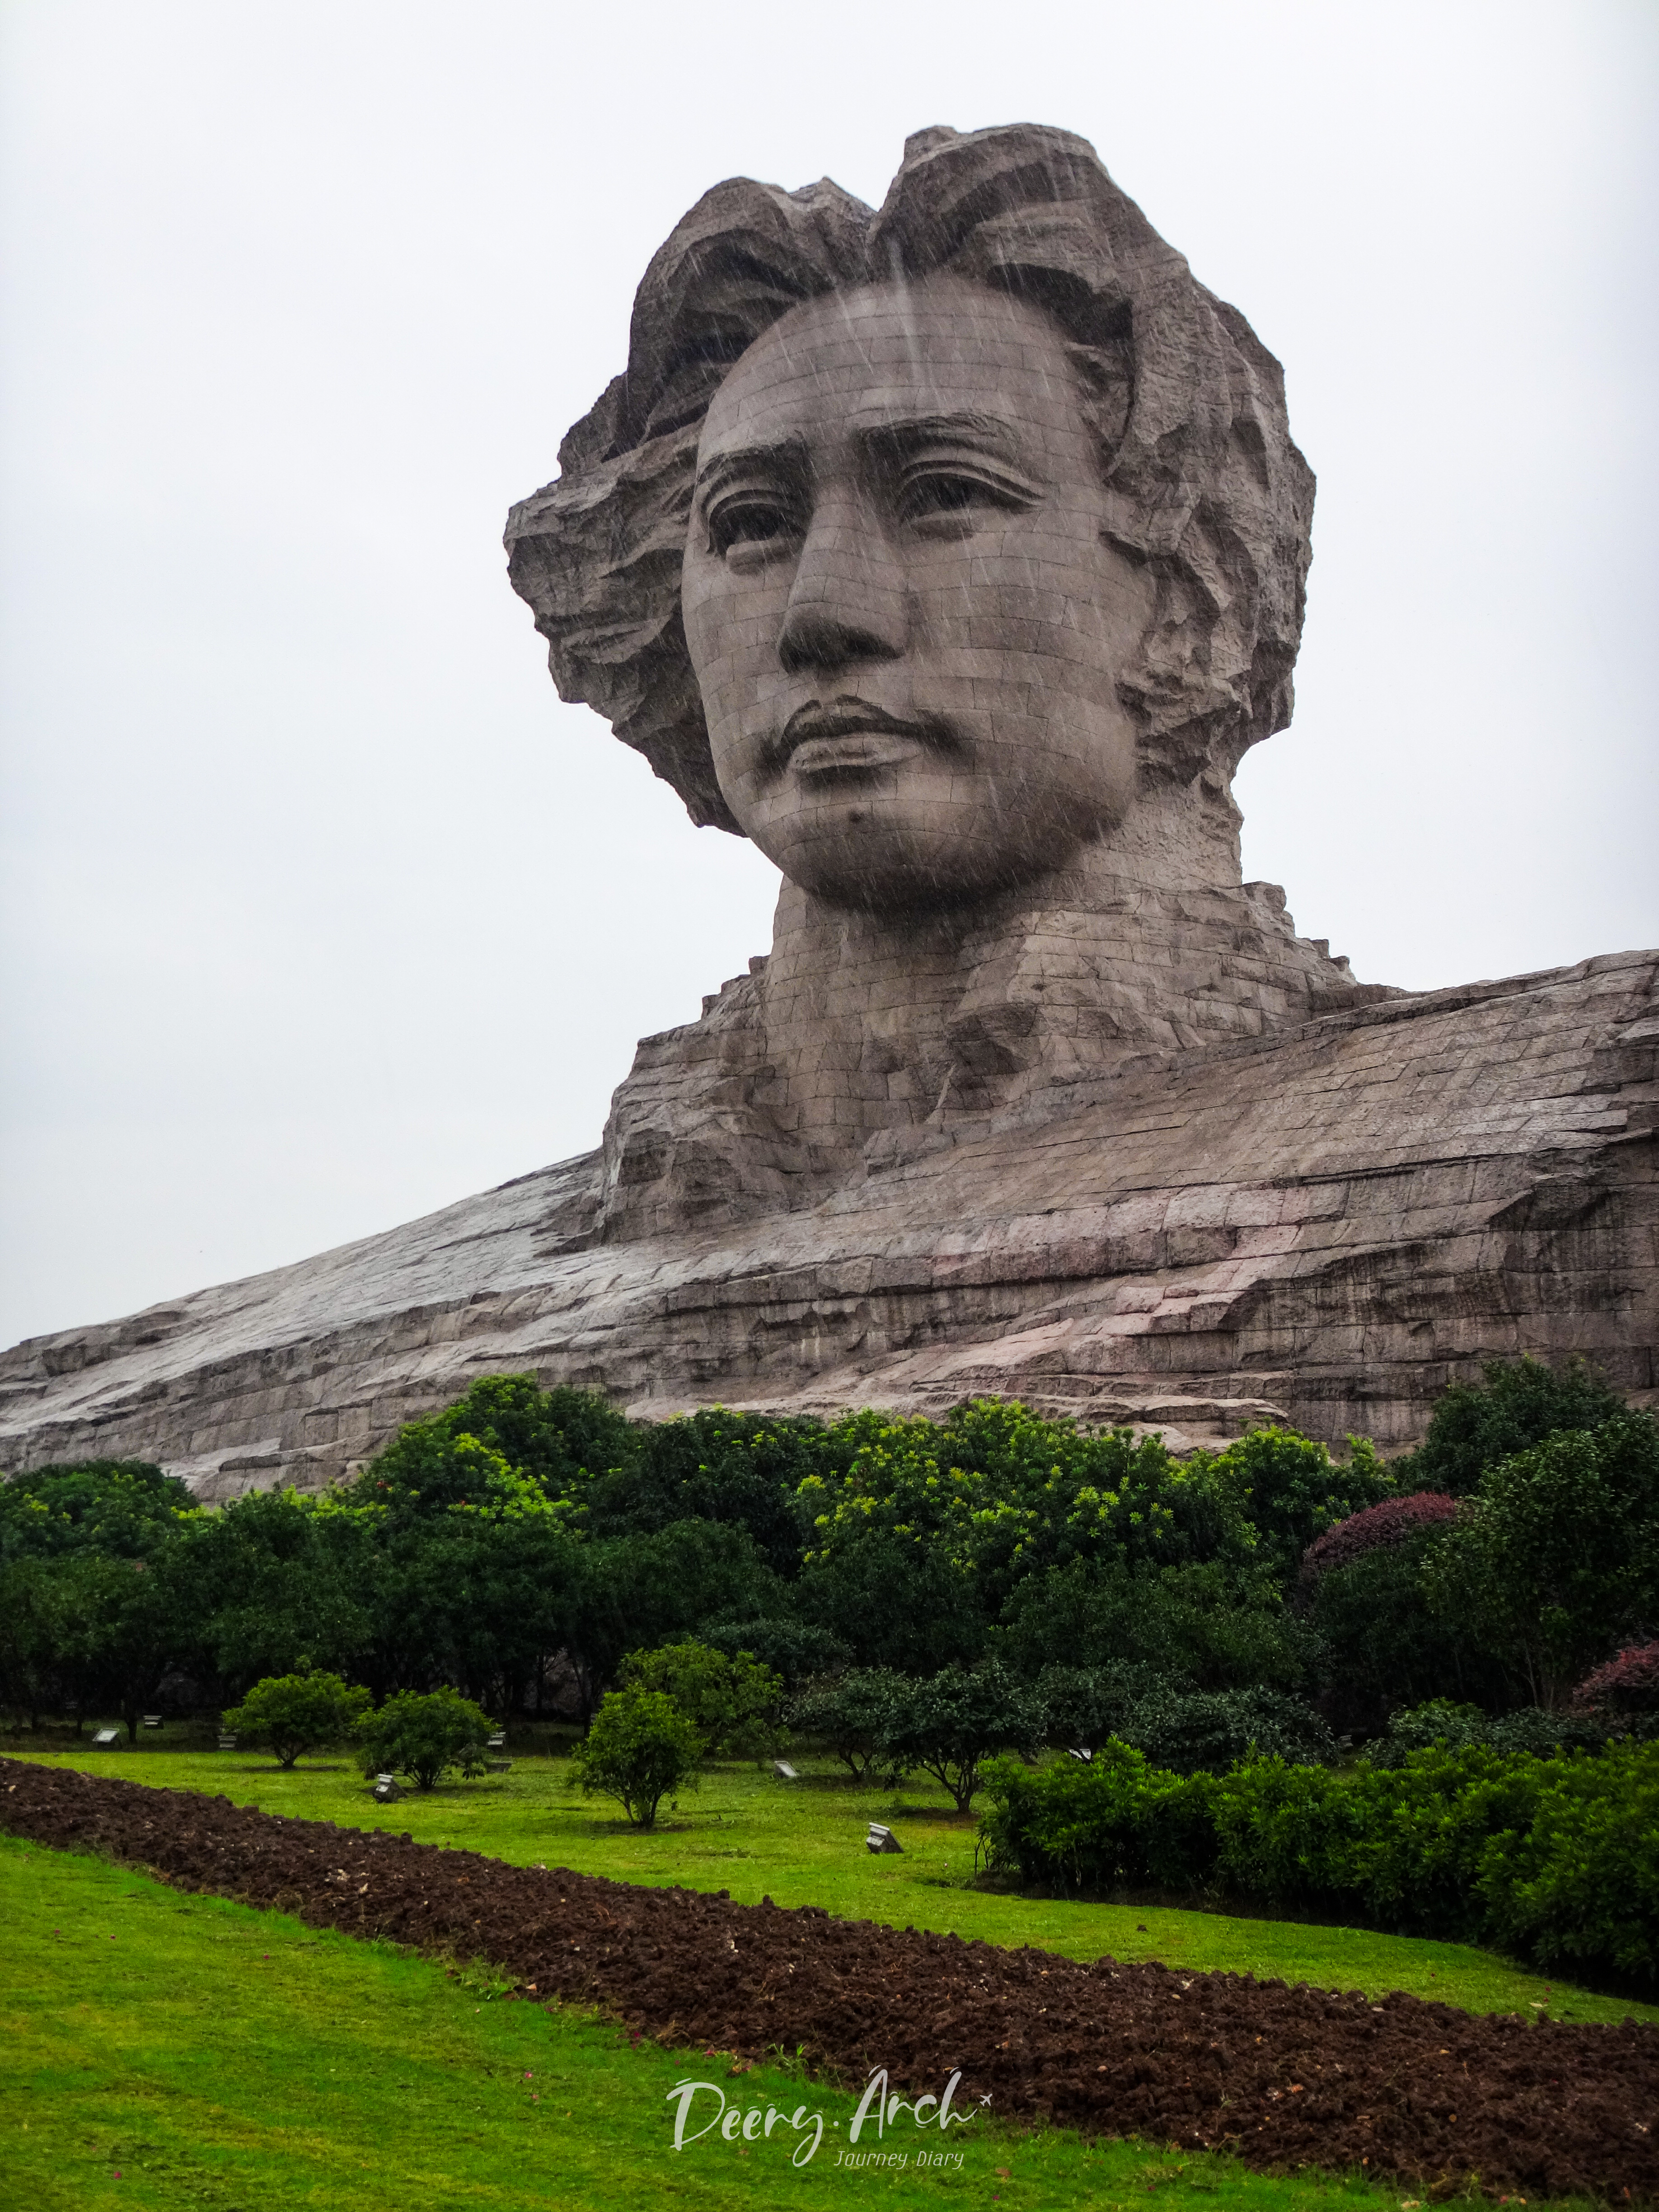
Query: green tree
272	1578
121	1508
949	1723
1556	1555
101	1632
1291	1490
1205	1625
796	1650
1517	1405
464	1599
733	1702
897	1597
717	1465
507	1446
851	1716
636	1592
295	1713
1380	1646
425	1735
640	1747
31	1635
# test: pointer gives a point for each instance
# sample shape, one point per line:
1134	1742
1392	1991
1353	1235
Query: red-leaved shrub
1393	1522
1628	1684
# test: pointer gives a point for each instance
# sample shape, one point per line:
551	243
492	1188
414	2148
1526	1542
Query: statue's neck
862	1028
882	1018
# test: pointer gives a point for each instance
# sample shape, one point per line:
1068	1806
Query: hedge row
1550	1860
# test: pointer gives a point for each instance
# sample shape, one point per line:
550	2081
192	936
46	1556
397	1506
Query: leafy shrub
1453	1727
1543	1735
293	1713
1626	1684
1549	1858
1579	1887
1112	1822
731	1702
642	1747
1286	1832
425	1735
1214	1730
1394	1521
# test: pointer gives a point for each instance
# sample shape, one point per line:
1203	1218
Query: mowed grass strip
165	2050
744	1831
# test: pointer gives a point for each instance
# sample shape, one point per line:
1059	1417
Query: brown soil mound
1281	2077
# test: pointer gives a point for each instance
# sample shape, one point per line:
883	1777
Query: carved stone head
923	546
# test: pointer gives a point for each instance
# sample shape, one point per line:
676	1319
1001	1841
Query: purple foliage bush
1395	1521
1628	1684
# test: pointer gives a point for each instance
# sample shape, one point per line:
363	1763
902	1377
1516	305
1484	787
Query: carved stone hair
1203	482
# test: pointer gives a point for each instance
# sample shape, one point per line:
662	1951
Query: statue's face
904	618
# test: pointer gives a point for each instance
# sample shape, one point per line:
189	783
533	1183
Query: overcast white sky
320	911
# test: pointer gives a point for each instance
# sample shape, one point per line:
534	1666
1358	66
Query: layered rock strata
1327	1222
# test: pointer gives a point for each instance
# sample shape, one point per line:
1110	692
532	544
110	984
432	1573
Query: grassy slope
803	1844
215	2056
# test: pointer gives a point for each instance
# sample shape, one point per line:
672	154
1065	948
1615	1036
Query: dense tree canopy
515	1547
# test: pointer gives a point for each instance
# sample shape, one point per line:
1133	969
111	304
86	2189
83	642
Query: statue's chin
873	866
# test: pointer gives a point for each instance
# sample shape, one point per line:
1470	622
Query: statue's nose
848	601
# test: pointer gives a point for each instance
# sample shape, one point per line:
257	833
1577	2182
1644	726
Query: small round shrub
641	1746
424	1735
299	1712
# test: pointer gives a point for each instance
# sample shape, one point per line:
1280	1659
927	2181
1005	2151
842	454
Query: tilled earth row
1282	2076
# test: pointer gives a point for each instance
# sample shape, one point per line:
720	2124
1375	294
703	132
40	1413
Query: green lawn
164	2051
803	1844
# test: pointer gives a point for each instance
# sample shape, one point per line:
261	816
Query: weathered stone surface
955	553
1329	1222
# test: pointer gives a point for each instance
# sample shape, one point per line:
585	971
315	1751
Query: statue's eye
950	494
748	521
940	495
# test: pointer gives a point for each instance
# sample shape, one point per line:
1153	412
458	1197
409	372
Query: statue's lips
849	738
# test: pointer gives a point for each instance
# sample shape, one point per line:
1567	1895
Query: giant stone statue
954	553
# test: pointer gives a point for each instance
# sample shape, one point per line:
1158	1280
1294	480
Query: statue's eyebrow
881	429
779	455
906	432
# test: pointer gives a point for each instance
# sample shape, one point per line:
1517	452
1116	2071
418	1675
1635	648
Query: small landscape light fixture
784	1772
881	1839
